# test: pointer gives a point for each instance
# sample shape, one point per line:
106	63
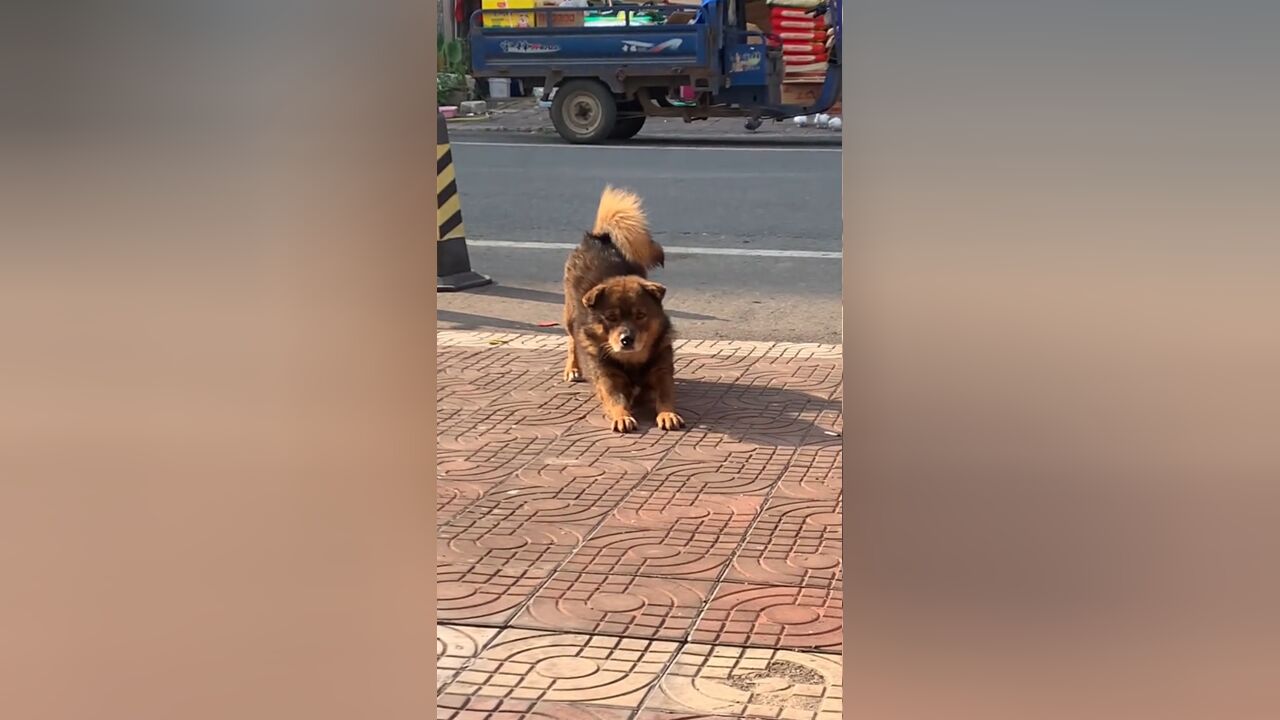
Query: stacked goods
507	20
566	18
807	93
804	39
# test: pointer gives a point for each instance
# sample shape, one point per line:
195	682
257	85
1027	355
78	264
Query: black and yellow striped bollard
453	264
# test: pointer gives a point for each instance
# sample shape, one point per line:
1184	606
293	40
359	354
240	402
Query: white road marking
670	250
682	148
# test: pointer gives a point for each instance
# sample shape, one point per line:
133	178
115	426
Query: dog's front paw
670	421
624	424
572	374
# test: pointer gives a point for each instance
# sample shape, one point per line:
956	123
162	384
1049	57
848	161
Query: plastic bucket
499	87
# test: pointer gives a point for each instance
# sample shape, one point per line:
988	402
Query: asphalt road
774	209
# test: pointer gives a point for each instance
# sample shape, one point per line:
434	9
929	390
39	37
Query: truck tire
627	128
584	112
630	119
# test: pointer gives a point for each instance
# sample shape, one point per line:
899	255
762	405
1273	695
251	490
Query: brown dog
618	332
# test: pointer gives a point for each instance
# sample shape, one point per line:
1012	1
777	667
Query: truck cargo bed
580	49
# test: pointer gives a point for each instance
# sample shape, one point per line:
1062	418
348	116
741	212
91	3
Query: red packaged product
785	12
804	49
781	25
803	36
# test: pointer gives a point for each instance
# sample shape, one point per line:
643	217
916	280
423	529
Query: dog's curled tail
621	217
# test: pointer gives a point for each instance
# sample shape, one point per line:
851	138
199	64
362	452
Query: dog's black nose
626	340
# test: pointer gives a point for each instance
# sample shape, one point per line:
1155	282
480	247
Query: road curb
658	141
831	139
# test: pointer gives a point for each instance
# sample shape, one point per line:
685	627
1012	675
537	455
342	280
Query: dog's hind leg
572	370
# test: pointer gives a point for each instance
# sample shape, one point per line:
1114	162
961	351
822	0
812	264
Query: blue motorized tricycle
608	69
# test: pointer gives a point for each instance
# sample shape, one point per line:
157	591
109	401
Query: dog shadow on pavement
762	414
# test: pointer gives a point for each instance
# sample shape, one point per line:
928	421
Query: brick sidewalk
655	575
523	115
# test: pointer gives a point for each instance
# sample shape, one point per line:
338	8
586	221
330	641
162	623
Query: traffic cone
453	264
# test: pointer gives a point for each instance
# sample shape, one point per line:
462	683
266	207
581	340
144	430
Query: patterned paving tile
820	380
592	442
565	471
515	418
556	490
552	410
759	419
803	516
573	560
452	496
814	473
740	470
473	451
484	594
581	503
831	420
755	682
654	506
662	715
459	438
703	398
465	387
795	542
498	361
533	546
670	552
796	618
455	646
591	670
459	467
715	444
707	369
651	608
645	416
468	707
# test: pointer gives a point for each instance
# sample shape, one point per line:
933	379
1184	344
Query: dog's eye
611	316
640	316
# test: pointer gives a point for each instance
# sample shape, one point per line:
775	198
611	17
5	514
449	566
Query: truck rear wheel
584	112
631	118
627	128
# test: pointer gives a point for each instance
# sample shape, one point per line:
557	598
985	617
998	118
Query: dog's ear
657	291
593	296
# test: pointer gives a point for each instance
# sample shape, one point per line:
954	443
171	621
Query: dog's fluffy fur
619	334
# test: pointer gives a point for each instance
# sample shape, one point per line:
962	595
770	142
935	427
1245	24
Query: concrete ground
648	576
